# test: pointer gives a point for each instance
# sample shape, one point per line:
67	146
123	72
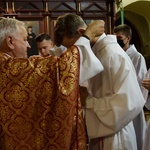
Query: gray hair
9	26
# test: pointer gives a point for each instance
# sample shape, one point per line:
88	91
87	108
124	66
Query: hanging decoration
120	6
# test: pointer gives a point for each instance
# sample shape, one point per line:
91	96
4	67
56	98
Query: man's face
44	47
120	36
20	43
122	39
29	29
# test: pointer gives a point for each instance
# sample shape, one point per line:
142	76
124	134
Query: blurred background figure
31	39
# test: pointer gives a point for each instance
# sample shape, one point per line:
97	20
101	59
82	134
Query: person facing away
44	44
115	98
124	35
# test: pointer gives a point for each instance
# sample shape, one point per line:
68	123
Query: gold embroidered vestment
39	103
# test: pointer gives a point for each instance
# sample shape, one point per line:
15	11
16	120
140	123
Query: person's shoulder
133	50
138	54
115	52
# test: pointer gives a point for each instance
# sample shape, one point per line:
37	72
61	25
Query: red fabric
39	103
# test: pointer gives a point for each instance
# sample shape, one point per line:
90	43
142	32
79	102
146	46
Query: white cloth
146	145
89	63
145	91
117	99
141	70
58	50
138	62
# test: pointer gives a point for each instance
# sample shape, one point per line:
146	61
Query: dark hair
42	36
30	27
125	29
67	25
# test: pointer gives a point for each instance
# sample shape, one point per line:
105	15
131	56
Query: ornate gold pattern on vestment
39	104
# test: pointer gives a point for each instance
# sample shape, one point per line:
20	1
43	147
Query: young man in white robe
124	36
115	99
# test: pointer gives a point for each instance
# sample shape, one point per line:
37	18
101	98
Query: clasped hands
146	84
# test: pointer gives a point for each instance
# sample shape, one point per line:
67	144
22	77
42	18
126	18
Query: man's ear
10	42
129	38
81	31
52	43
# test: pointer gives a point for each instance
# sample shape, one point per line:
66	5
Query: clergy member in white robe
146	145
141	70
138	62
124	35
116	99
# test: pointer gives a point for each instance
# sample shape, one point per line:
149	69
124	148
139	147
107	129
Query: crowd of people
100	79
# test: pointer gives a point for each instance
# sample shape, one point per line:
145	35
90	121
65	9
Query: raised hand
95	29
